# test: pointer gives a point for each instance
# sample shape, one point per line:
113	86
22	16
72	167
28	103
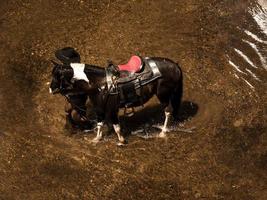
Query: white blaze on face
50	90
78	71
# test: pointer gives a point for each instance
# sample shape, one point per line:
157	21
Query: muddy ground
224	157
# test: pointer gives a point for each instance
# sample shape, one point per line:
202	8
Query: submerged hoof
162	134
121	143
96	140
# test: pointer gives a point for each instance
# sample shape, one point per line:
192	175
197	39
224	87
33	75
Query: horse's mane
92	69
95	69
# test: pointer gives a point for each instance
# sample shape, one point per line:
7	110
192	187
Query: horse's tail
177	95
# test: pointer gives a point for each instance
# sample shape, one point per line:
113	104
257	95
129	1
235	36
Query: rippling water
251	65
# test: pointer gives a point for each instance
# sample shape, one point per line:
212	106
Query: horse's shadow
154	115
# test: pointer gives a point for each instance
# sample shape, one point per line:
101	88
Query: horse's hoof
96	140
162	134
121	143
87	130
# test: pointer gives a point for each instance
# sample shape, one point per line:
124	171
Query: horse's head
61	79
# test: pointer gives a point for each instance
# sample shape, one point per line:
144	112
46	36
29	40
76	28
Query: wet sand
224	157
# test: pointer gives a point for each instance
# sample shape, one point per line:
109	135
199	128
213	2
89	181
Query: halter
61	88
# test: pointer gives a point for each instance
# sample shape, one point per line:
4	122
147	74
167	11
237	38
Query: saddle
130	78
134	65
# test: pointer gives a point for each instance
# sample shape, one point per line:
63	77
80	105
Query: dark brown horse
93	81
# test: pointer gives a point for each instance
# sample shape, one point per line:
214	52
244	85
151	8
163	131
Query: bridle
61	88
62	91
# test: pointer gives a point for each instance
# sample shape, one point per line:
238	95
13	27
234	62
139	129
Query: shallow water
216	151
251	61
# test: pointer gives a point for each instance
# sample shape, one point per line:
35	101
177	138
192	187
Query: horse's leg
164	96
121	138
100	123
164	130
117	128
176	98
77	118
99	134
72	116
68	107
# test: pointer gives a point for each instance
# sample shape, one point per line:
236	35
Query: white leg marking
164	129
117	129
99	132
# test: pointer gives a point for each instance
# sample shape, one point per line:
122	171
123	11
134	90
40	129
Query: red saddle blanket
134	65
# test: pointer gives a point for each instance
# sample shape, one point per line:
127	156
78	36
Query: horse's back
170	70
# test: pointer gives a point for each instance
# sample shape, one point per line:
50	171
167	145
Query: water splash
153	130
255	37
236	67
253	75
255	41
246	58
262	59
248	83
259	14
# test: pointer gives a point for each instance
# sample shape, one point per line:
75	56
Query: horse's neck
94	70
94	73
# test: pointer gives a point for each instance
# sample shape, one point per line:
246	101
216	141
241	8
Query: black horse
106	96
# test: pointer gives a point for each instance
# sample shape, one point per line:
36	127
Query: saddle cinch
130	79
